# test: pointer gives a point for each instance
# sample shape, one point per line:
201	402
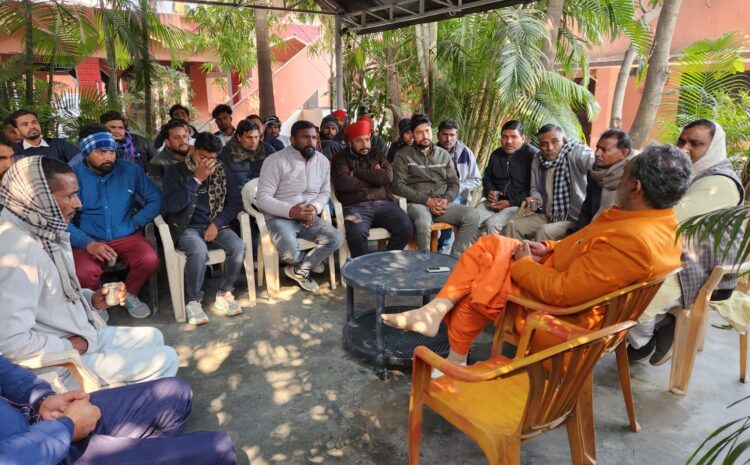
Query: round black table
391	273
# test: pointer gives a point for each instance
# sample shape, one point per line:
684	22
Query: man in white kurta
43	308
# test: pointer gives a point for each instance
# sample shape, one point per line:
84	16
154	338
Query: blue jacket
114	205
21	443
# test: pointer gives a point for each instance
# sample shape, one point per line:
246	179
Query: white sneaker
226	304
195	314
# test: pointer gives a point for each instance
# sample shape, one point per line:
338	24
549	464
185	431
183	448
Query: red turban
358	129
339	114
365	117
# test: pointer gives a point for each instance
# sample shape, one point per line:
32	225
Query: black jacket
510	175
180	197
590	204
143	148
246	170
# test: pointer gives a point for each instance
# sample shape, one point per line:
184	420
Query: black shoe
639	355
664	335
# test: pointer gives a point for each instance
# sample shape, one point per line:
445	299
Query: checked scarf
127	147
25	192
561	189
217	187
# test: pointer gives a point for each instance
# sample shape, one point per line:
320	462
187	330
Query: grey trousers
495	222
537	227
466	218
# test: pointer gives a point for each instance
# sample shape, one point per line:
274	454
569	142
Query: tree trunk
426	45
658	71
113	97
628	59
393	89
29	52
146	70
553	20
265	72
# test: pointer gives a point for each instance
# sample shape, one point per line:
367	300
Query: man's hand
529	200
377	166
101	251
210	233
304	212
522	250
538	250
498	205
84	416
491	197
432	202
99	299
54	406
80	344
204	168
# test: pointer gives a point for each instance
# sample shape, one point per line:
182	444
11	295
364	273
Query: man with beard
507	178
425	175
273	133
244	153
176	148
222	116
6	155
293	189
558	187
130	146
405	138
613	151
201	199
27	124
361	178
10	131
377	144
329	137
106	228
469	177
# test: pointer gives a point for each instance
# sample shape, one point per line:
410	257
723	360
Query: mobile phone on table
438	269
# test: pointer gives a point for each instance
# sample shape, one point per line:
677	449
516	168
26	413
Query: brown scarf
609	178
217	187
240	154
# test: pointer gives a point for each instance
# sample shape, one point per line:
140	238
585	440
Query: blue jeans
196	250
360	217
285	232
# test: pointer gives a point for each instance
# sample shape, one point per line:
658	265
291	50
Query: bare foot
424	320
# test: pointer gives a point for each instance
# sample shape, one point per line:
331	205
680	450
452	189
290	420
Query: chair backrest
556	377
249	191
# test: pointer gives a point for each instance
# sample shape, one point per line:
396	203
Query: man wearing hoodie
406	137
329	137
469	177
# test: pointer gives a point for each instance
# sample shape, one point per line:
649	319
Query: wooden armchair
691	326
500	403
622	305
68	359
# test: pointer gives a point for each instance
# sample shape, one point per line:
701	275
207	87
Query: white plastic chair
376	234
268	256
176	259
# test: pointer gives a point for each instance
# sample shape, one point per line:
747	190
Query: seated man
10	131
130	146
118	200
558	187
624	245
180	112
44	309
405	137
140	423
469	177
507	178
273	133
293	189
222	116
6	155
201	199
176	148
329	142
714	186
27	124
244	153
613	152
376	142
361	177
425	175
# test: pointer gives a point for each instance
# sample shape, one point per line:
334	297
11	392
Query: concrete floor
277	379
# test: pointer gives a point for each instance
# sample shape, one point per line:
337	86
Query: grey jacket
580	162
417	177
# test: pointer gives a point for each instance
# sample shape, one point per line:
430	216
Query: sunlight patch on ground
286	385
212	355
266	355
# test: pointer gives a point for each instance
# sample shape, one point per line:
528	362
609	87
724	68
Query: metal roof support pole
339	66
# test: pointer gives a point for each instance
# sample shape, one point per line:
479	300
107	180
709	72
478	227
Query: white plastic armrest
326	215
165	234
245	230
67	359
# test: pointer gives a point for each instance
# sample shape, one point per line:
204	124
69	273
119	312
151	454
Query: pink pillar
606	79
200	91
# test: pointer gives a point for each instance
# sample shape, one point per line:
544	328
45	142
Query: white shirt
27	145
